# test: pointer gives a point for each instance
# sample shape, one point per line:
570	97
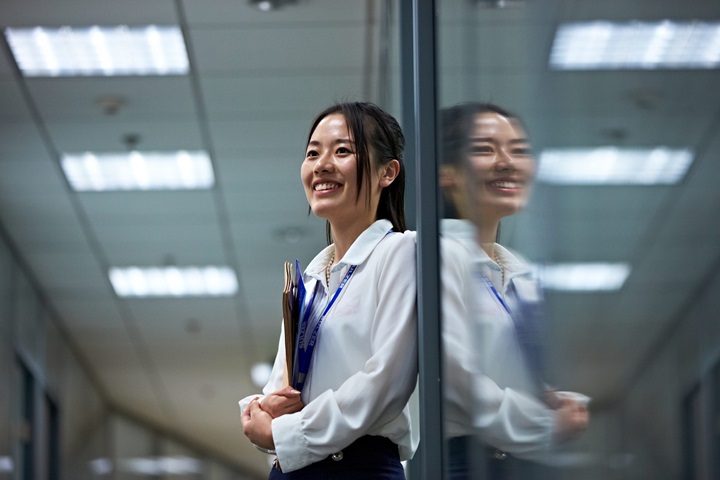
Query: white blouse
488	390
364	367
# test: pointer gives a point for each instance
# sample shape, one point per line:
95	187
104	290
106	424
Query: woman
351	419
491	303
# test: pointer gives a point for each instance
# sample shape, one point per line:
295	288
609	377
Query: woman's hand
571	418
257	425
283	401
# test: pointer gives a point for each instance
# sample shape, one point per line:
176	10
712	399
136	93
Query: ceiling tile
65	100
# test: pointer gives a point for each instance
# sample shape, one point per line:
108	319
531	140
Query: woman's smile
325	187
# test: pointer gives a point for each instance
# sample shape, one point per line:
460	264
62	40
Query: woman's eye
311	153
522	151
343	151
479	149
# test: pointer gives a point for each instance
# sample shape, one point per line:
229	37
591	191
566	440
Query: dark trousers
369	457
469	459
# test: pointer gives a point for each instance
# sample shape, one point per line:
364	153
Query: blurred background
162	141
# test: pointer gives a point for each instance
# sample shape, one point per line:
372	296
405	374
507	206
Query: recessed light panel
585	277
260	374
138	171
150	466
613	166
636	45
6	465
106	51
161	466
174	281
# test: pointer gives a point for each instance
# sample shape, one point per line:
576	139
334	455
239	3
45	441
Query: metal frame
417	54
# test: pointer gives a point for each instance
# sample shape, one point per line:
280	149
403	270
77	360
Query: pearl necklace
500	264
328	268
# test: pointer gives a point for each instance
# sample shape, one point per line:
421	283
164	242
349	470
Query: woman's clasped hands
257	417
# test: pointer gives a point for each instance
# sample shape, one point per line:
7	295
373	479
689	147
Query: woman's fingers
572	417
288	392
281	402
247	415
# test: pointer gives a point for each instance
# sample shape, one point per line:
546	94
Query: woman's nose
324	163
505	160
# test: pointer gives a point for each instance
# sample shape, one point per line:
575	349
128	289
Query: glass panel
51	437
692	433
584	289
26	428
25	317
7	391
714	423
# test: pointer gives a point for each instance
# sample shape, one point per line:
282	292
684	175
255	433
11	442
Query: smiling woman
351	417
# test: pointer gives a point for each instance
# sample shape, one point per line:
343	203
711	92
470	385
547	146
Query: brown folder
289	323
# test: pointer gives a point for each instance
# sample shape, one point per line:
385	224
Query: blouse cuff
290	443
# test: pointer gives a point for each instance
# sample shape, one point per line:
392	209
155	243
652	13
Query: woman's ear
389	173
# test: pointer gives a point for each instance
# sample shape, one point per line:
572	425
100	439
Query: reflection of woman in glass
351	419
491	302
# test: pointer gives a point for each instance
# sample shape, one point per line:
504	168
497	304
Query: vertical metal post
417	32
407	97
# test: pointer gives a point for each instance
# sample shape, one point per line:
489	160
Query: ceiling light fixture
499	4
96	172
636	45
154	466
585	277
6	464
268	5
101	466
98	51
208	281
614	166
260	373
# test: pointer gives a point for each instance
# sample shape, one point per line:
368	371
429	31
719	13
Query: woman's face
500	165
329	175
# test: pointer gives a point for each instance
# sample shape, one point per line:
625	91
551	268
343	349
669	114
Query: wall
92	440
642	436
653	405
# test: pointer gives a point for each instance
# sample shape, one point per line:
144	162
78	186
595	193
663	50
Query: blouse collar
358	253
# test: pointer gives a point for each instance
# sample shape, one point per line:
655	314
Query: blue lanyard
526	336
491	287
303	353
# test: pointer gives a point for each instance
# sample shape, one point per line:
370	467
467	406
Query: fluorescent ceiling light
613	166
152	466
6	465
101	466
584	276
174	281
138	171
107	51
260	374
149	466
636	45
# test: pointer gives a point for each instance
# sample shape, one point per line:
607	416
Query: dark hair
456	124
378	140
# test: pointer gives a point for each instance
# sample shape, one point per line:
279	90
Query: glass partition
579	273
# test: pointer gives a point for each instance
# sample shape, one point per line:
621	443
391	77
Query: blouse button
500	455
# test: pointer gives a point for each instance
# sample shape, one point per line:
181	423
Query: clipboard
299	311
294	309
289	320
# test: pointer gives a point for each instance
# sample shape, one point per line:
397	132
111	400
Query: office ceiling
256	80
